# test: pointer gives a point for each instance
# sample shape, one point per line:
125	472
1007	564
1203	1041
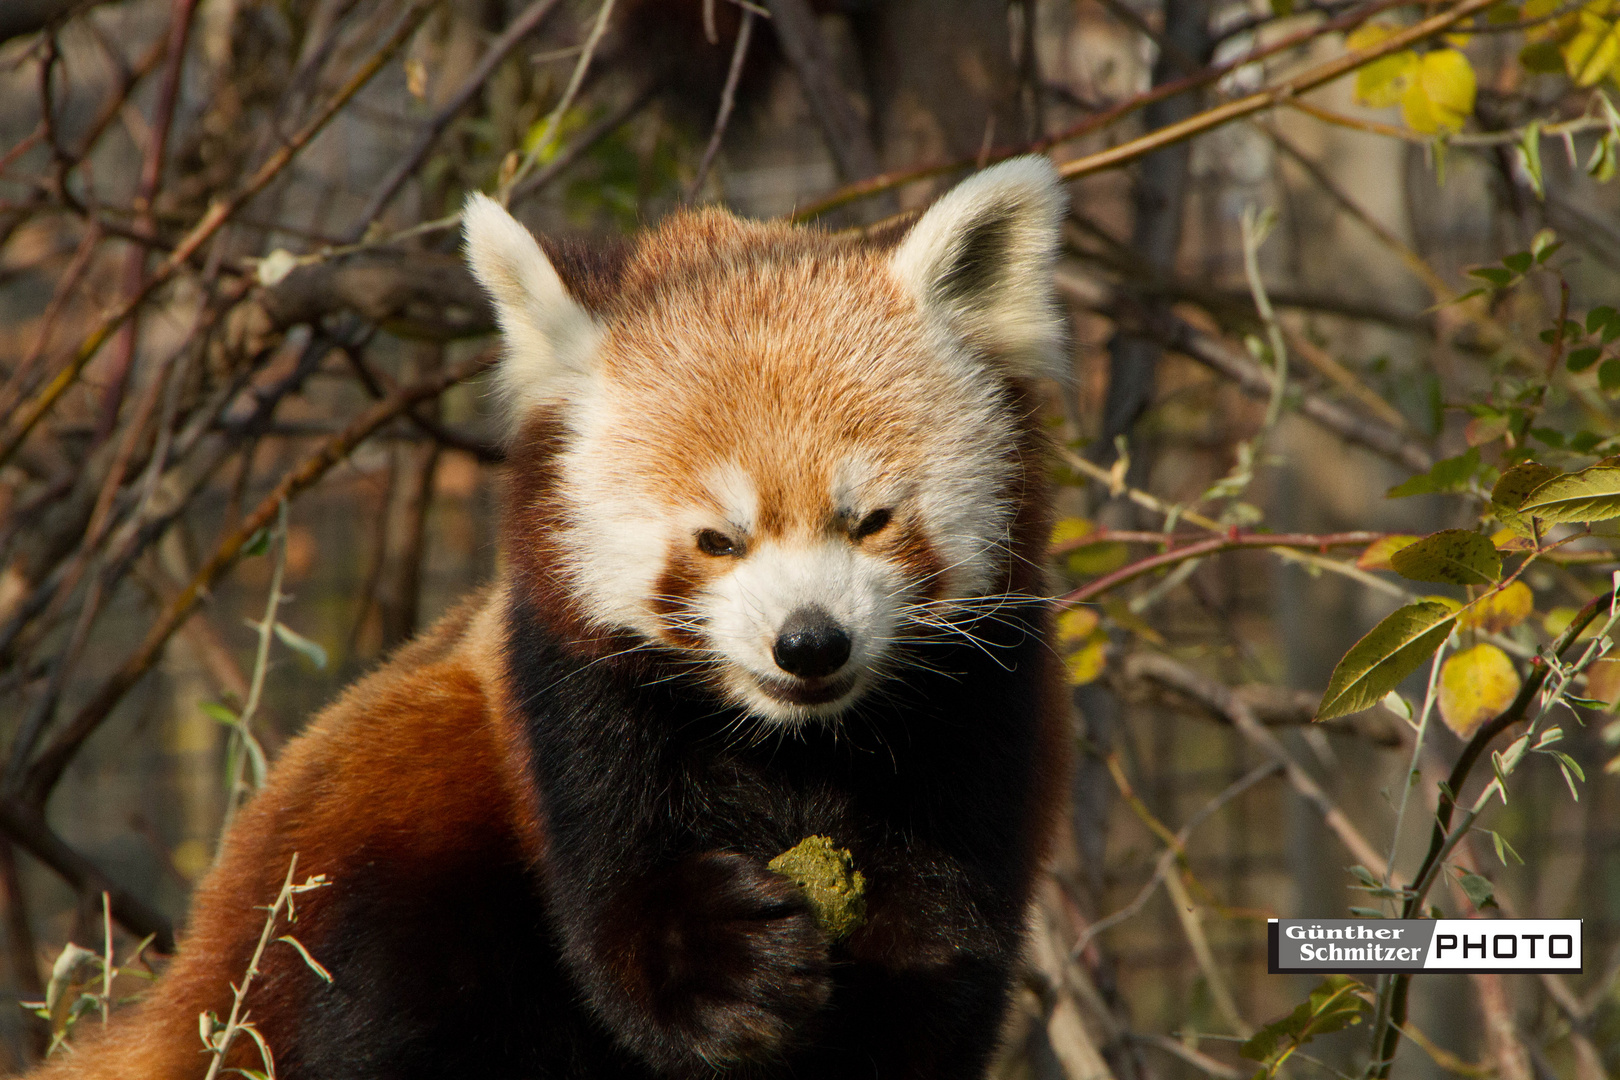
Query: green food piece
827	874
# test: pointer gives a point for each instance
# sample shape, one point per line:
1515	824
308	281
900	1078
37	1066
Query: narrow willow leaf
1451	557
1529	150
314	965
1589	495
300	644
1390	652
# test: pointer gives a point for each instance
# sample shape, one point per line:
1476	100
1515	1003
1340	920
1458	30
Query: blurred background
228	272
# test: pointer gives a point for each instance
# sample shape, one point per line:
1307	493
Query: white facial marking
734	492
744	612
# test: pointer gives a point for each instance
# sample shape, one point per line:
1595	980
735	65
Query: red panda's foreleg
713	961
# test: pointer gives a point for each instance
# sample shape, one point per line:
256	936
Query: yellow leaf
1557	620
1376	556
1071	528
1499	610
1508	540
1593	51
1441	96
1085	665
1603	681
1475	685
1381	83
1367	35
1076	625
1094	560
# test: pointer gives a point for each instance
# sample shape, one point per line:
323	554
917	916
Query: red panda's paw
736	965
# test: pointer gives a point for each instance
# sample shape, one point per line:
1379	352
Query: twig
592	134
1108	582
1179	677
801	39
1173	852
728	97
1255	226
217	215
1432	281
1092	124
242	731
1126	14
47	769
1269	98
1177	334
27	827
1508	137
575	81
521	27
123	355
66	288
219	1041
1202	1062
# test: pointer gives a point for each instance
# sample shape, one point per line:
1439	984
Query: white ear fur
981	260
550	339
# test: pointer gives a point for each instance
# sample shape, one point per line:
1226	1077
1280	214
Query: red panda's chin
794	701
807	691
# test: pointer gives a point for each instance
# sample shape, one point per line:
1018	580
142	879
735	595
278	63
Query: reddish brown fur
338	790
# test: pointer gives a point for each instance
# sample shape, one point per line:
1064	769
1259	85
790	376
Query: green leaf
1583	358
1450	557
220	713
1333	1006
258	543
1544	245
1513	487
1592	494
1611	325
1480	890
1448	474
1366	913
1519	261
1543	58
1529	150
314	965
1494	274
1599	317
1503	848
1609	376
1390	652
1605	159
300	644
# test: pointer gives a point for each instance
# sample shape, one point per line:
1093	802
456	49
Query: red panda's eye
871	523
713	543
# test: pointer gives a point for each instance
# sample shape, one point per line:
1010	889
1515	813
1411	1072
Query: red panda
772	547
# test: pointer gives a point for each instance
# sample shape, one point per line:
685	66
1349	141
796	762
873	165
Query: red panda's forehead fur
782	352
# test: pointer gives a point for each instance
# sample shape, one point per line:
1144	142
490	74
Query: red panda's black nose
810	644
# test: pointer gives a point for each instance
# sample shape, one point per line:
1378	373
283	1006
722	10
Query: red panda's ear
981	260
550	339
